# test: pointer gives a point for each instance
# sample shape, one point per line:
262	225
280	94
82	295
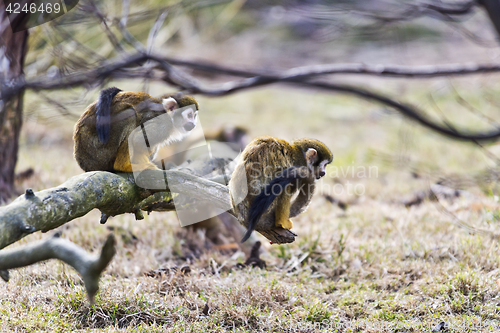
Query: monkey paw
288	224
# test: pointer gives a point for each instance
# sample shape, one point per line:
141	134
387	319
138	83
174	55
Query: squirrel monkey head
316	154
316	167
183	111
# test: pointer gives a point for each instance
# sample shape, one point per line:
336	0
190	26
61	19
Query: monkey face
316	167
185	119
320	170
189	118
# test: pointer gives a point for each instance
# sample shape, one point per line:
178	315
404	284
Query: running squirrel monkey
275	171
105	130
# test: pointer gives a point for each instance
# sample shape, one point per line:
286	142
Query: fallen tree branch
51	208
113	194
88	266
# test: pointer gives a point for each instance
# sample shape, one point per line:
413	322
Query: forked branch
89	267
113	194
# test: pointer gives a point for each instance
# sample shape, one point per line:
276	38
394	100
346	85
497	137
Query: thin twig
92	7
155	29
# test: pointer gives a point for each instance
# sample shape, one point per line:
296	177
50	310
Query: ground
369	257
377	265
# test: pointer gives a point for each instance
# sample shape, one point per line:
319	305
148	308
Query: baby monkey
118	131
275	171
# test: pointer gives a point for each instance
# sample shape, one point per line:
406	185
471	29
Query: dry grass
376	267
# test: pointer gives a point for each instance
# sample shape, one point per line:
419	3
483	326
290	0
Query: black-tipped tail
103	113
266	197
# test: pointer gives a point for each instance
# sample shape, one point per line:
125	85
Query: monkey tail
266	197
103	113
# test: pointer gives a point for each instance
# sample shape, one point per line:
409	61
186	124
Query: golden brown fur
265	159
128	110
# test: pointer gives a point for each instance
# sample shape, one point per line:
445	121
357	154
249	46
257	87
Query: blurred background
270	37
403	210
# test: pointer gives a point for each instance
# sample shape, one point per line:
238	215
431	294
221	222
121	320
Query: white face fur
184	120
189	119
322	169
311	156
169	104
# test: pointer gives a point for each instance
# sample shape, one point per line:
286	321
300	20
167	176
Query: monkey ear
169	104
311	154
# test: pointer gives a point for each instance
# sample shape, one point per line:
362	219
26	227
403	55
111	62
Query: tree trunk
13	47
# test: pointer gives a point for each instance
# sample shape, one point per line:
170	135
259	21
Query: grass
377	266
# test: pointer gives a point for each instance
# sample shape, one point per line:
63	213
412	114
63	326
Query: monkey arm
133	157
283	209
144	140
306	191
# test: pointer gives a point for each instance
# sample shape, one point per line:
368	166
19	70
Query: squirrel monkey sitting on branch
118	119
273	171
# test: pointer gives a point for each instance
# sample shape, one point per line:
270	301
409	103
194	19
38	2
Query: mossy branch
113	194
88	266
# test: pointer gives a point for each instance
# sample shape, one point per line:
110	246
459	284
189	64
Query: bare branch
493	9
51	208
117	69
88	266
390	12
452	8
63	110
297	76
92	8
154	30
131	39
112	194
300	76
90	55
397	71
125	12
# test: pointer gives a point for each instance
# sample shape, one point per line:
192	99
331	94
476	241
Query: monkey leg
289	225
122	160
282	212
137	162
138	152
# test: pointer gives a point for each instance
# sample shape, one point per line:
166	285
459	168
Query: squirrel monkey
275	170
119	118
